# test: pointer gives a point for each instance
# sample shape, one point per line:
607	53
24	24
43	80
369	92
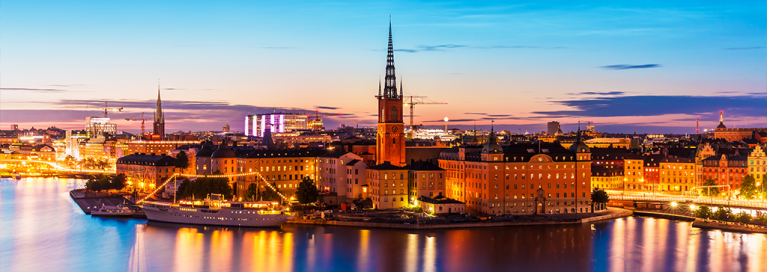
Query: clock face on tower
394	129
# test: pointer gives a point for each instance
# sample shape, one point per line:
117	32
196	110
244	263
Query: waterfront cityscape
602	177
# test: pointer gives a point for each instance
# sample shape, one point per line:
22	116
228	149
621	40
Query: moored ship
218	213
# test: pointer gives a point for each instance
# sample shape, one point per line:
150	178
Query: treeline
726	214
103	182
200	188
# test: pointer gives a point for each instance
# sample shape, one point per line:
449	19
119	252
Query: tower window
393	114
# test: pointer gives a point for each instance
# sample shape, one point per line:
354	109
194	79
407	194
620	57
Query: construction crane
418	100
106	108
143	120
316	124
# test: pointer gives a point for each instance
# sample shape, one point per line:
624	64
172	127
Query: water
43	230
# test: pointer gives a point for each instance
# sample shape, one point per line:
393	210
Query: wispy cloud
629	66
597	93
35	90
277	47
422	48
745	48
327	108
619	106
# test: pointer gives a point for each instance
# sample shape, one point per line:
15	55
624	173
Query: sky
645	67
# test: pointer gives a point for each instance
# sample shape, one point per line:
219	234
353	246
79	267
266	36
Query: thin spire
379	86
401	79
390	86
721	116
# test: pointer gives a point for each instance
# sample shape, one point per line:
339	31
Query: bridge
60	169
753	204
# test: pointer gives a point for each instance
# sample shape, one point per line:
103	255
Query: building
285	168
390	140
256	125
734	134
388	185
757	164
633	169
525	178
98	127
552	128
727	170
426	179
332	173
148	147
158	124
607	167
146	172
356	180
677	174
441	205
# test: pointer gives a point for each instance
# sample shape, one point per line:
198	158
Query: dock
88	201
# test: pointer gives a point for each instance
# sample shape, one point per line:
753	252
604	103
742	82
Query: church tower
390	138
159	118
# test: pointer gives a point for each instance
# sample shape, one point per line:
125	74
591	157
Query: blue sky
650	66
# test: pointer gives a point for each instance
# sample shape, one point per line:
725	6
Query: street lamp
446	124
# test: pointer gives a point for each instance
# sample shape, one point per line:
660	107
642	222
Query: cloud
277	47
479	113
422	48
498	115
451	120
629	66
327	108
517	47
35	90
597	93
745	48
744	105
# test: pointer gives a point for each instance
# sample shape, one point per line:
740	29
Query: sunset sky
651	66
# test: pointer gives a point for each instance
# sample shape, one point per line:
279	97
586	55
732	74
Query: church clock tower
390	138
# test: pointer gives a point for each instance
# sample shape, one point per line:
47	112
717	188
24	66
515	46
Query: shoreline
321	222
734	227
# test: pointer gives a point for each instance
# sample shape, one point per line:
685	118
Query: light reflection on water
43	230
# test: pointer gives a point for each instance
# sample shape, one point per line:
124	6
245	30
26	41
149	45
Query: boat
18	177
113	211
216	212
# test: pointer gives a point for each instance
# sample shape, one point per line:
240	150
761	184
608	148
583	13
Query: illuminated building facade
257	125
726	170
757	164
146	172
356	181
388	185
426	180
285	168
99	126
148	147
332	173
734	134
525	178
677	174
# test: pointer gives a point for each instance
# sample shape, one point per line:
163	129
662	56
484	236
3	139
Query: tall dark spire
390	89
159	116
379	86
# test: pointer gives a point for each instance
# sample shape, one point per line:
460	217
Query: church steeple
721	121
390	86
159	116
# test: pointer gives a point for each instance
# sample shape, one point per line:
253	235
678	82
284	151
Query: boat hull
220	218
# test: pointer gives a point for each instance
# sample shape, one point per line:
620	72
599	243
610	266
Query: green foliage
181	160
270	195
417	209
712	191
118	182
745	217
307	191
703	212
202	187
252	192
599	196
748	187
724	214
103	182
762	218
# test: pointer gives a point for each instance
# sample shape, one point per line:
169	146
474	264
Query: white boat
218	213
113	211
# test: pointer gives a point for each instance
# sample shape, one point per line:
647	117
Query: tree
118	182
202	187
710	191
182	161
252	192
94	185
599	196
723	213
762	218
307	191
270	194
745	217
748	187
703	212
763	186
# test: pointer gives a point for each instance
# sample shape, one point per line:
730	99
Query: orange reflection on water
188	250
362	254
220	250
411	257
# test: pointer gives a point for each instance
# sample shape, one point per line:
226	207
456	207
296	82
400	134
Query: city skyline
652	69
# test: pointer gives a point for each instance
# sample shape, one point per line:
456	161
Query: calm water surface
43	230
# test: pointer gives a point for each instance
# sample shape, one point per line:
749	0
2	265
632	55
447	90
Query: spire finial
390	85
721	116
379	86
